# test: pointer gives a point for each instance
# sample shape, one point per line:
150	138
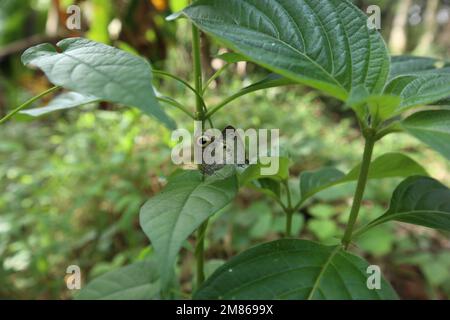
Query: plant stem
26	104
288	210
200	252
289	224
201	113
198	78
361	186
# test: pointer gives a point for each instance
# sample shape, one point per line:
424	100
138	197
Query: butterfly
231	153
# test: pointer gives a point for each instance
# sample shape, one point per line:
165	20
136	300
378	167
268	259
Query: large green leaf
389	165
324	44
92	68
64	101
431	127
293	269
418	200
418	81
138	281
187	201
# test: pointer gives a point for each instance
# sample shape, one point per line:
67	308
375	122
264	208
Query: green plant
326	45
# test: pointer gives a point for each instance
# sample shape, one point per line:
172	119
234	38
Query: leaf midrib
322	272
182	209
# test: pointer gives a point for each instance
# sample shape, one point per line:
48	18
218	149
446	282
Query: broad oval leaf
389	165
432	128
324	44
92	68
64	101
418	200
293	269
187	201
138	281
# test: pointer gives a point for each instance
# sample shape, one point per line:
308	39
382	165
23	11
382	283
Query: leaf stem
176	104
197	93
28	103
215	76
160	73
229	100
361	186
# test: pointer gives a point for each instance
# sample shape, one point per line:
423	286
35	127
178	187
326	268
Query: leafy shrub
326	45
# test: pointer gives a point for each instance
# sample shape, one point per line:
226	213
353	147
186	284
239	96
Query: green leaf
418	200
323	44
293	269
389	165
418	81
401	65
256	171
187	201
64	101
432	128
138	281
269	187
92	68
381	107
312	182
